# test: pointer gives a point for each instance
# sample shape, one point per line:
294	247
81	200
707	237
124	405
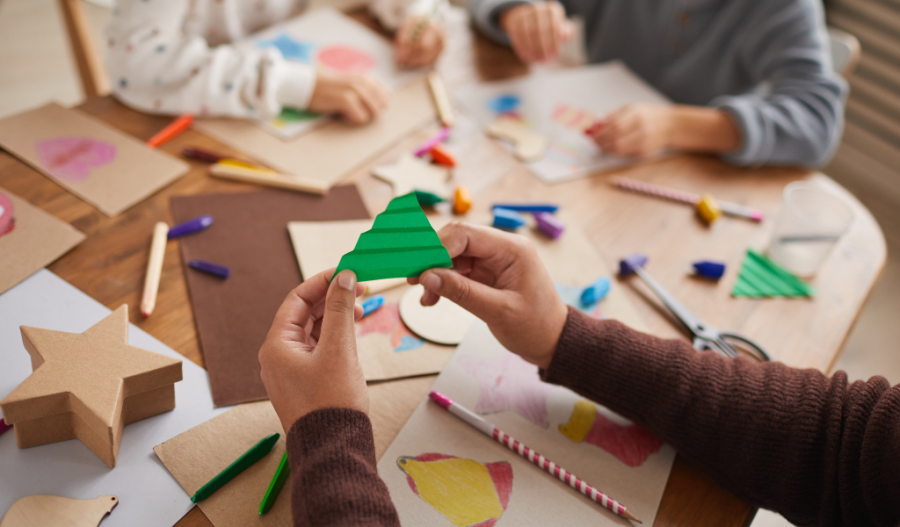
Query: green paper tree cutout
760	277
400	244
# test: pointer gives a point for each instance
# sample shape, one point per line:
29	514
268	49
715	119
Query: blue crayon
191	226
211	268
596	291
712	270
507	219
527	207
372	304
629	263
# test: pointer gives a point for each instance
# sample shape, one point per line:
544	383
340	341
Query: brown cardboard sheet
249	235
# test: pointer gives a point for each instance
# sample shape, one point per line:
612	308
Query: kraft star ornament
412	173
88	386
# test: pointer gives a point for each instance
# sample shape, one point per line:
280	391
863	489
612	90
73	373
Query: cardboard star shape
88	386
412	173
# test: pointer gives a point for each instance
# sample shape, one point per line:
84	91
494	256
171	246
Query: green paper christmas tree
400	244
760	277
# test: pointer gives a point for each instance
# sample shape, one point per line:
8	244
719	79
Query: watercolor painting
509	384
574	118
72	158
7	217
386	321
290	48
630	444
466	492
346	59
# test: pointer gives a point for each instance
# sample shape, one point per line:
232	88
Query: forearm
333	469
700	129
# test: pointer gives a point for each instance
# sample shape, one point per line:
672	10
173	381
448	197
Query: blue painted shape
707	269
372	304
596	291
409	343
627	265
507	219
504	103
291	49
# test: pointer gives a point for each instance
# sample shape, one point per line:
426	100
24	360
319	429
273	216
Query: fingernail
347	280
431	282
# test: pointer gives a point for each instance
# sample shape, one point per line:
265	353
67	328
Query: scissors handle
749	347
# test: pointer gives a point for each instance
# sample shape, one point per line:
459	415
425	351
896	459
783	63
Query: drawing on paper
466	492
293	117
509	383
571	296
7	218
386	321
630	444
574	118
346	59
506	103
72	158
290	48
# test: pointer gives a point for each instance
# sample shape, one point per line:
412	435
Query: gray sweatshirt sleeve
486	13
799	118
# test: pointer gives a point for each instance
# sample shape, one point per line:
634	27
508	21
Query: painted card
29	239
101	165
442	472
560	105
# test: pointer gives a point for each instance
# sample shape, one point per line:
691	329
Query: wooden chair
845	51
88	60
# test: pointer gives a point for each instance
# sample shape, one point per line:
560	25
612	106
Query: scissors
706	337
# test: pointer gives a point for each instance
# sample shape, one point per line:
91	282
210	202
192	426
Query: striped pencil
732	209
545	464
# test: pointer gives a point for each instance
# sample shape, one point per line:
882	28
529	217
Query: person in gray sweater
752	80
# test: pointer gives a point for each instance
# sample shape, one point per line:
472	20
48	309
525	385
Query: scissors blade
685	315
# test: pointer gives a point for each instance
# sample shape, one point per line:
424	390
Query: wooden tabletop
109	265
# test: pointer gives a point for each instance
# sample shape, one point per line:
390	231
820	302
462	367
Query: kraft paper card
332	151
250	236
386	346
103	166
480	480
29	239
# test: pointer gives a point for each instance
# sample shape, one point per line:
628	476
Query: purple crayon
628	264
211	268
191	226
549	225
712	270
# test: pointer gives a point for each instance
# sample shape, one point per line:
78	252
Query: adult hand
536	31
356	97
499	278
634	130
415	51
309	357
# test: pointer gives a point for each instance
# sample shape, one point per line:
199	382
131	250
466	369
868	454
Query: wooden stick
441	99
154	267
266	178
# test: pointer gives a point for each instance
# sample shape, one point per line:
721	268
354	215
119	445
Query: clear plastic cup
811	222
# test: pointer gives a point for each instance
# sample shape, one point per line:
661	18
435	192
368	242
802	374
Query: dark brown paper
249	235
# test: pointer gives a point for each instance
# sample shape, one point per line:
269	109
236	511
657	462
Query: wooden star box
88	386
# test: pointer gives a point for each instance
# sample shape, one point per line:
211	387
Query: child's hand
309	359
358	98
499	278
425	49
537	31
634	130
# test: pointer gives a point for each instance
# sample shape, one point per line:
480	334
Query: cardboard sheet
103	166
330	152
29	239
604	449
148	495
250	236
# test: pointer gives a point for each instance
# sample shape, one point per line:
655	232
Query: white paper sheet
148	494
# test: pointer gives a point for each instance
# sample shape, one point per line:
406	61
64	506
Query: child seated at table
751	79
174	57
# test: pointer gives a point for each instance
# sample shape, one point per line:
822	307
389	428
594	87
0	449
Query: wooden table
109	265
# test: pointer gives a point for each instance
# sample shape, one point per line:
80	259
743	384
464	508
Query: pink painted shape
72	158
346	59
7	217
386	321
631	444
3	426
501	473
509	383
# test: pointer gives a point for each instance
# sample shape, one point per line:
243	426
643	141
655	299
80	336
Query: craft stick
732	209
242	463
154	268
174	128
545	464
278	480
441	99
432	142
266	178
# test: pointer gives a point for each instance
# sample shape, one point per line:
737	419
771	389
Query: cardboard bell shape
88	386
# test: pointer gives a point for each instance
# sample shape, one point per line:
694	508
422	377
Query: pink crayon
732	209
545	464
426	147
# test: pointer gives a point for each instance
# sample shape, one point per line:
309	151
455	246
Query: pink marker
545	464
426	147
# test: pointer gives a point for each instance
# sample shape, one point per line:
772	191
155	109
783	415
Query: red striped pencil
732	209
548	466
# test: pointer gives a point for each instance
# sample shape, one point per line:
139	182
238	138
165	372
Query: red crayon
174	128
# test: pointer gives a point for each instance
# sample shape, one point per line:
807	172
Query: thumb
338	330
476	298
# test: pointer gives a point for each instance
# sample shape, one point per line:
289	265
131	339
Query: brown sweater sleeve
335	480
820	451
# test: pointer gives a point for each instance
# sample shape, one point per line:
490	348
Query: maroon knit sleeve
819	450
335	481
